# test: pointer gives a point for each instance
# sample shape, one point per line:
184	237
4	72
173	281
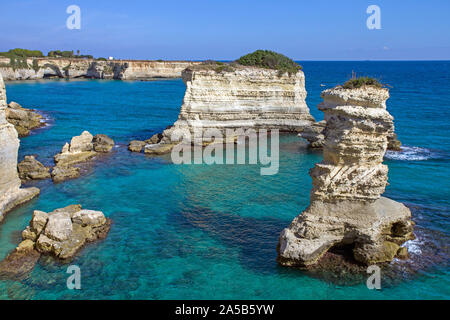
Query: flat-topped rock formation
40	68
238	97
24	120
81	149
346	208
11	195
60	234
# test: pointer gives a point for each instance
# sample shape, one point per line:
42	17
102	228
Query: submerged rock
19	263
23	119
80	149
31	169
11	195
315	134
346	208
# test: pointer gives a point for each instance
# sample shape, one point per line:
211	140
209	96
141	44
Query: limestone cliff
39	68
10	193
346	208
243	97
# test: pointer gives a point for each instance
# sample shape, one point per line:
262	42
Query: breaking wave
413	154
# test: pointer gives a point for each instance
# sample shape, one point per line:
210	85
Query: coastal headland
35	68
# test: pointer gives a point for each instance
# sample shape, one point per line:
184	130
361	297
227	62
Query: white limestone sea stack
11	194
238	97
346	208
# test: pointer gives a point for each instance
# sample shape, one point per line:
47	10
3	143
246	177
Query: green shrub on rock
270	60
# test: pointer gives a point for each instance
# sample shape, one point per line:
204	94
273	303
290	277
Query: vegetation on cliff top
356	82
18	58
260	58
269	60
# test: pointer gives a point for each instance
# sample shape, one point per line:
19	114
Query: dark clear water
210	232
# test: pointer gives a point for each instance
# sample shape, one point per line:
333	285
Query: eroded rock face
102	143
23	119
315	135
60	234
245	98
81	149
31	169
41	68
346	207
11	194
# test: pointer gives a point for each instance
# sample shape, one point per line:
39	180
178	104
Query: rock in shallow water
11	195
61	234
136	145
31	169
23	119
81	149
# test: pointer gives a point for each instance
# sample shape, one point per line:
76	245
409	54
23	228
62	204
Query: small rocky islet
60	234
346	210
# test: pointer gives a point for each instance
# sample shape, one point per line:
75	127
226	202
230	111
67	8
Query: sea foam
413	154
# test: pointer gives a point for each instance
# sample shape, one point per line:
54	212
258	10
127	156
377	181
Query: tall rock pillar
346	204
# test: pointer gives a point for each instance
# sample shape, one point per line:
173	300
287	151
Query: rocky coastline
24	120
81	149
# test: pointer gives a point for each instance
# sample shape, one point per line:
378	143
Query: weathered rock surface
80	149
346	207
245	98
31	169
23	119
315	135
41	68
11	195
61	234
102	143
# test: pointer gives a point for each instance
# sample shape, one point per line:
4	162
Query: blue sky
225	30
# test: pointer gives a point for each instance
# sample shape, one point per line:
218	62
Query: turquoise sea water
210	232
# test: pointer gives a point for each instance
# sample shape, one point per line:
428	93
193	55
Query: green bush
22	53
101	59
18	58
358	82
270	60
